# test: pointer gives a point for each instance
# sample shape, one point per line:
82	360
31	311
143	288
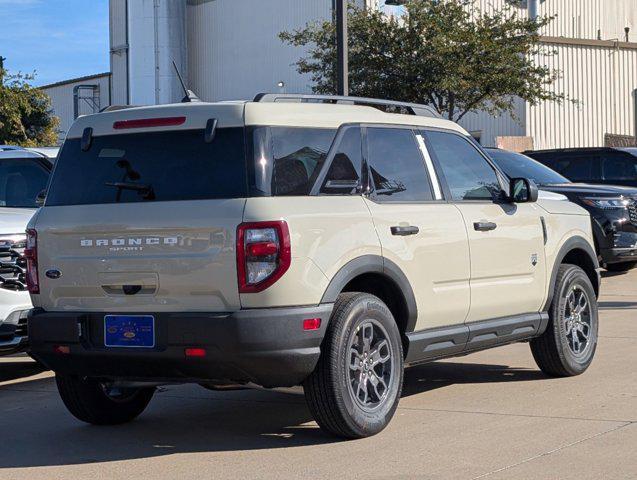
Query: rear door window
577	168
619	166
396	166
142	167
20	182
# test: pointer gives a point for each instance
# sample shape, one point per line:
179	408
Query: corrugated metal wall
579	18
62	99
119	51
234	49
490	127
603	80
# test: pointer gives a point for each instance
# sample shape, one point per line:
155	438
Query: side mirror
41	197
523	190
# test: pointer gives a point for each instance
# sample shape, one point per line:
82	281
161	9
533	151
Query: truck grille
632	212
12	264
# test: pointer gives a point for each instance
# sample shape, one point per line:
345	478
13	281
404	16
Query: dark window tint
344	174
298	155
575	168
20	182
160	166
516	165
396	165
619	166
468	175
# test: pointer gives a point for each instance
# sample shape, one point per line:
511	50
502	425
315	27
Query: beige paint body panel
504	281
181	255
326	232
435	261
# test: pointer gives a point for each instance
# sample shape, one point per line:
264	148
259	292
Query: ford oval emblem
53	273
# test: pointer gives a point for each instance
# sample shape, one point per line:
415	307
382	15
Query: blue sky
59	39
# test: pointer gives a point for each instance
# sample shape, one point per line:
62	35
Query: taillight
263	254
31	255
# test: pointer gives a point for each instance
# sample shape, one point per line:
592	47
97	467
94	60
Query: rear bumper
263	346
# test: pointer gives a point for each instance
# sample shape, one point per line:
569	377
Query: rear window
142	167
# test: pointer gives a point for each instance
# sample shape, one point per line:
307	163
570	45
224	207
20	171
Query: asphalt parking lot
488	415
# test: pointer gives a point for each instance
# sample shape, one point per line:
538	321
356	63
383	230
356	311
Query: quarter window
468	175
396	166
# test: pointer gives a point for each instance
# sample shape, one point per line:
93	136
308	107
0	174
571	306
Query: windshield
20	182
143	167
516	165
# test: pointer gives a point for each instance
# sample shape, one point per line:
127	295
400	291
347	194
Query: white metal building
596	52
229	49
79	96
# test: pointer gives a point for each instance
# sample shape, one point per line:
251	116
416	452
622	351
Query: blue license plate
129	331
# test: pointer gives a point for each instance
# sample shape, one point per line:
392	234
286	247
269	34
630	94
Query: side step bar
437	343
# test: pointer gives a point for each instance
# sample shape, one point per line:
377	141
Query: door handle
404	231
484	226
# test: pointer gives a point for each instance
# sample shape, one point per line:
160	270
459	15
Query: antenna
190	95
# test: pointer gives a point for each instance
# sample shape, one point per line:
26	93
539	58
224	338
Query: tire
344	402
621	267
556	351
88	401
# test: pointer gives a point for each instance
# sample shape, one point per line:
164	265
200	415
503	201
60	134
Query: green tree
444	53
26	118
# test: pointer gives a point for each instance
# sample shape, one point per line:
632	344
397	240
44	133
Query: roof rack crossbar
409	108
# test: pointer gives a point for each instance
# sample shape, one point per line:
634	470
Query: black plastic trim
266	346
572	243
374	264
454	340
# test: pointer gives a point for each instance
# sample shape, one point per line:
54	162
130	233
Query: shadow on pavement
14	370
430	376
40	432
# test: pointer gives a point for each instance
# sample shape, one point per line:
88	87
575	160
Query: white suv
23	174
291	240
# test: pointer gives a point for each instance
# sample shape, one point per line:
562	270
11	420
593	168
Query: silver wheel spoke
377	381
380	354
355	360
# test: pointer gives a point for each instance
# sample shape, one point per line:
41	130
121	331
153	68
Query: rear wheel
568	345
621	267
100	403
355	388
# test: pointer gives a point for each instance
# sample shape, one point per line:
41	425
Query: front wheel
568	345
356	385
100	403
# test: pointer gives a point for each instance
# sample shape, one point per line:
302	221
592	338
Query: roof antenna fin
190	95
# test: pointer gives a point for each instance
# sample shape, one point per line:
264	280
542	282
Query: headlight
606	203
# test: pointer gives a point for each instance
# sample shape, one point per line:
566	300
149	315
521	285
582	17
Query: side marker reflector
311	324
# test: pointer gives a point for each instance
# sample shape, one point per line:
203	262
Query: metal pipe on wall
534	8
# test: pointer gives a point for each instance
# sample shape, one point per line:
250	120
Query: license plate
135	331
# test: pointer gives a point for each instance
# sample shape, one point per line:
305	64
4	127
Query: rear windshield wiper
145	190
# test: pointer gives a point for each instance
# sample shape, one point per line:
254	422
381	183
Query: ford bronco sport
323	242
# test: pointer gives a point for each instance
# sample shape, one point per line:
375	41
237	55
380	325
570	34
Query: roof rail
401	107
4	148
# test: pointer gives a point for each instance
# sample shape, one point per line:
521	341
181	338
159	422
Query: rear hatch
141	214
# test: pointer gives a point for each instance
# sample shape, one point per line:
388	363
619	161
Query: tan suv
310	241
